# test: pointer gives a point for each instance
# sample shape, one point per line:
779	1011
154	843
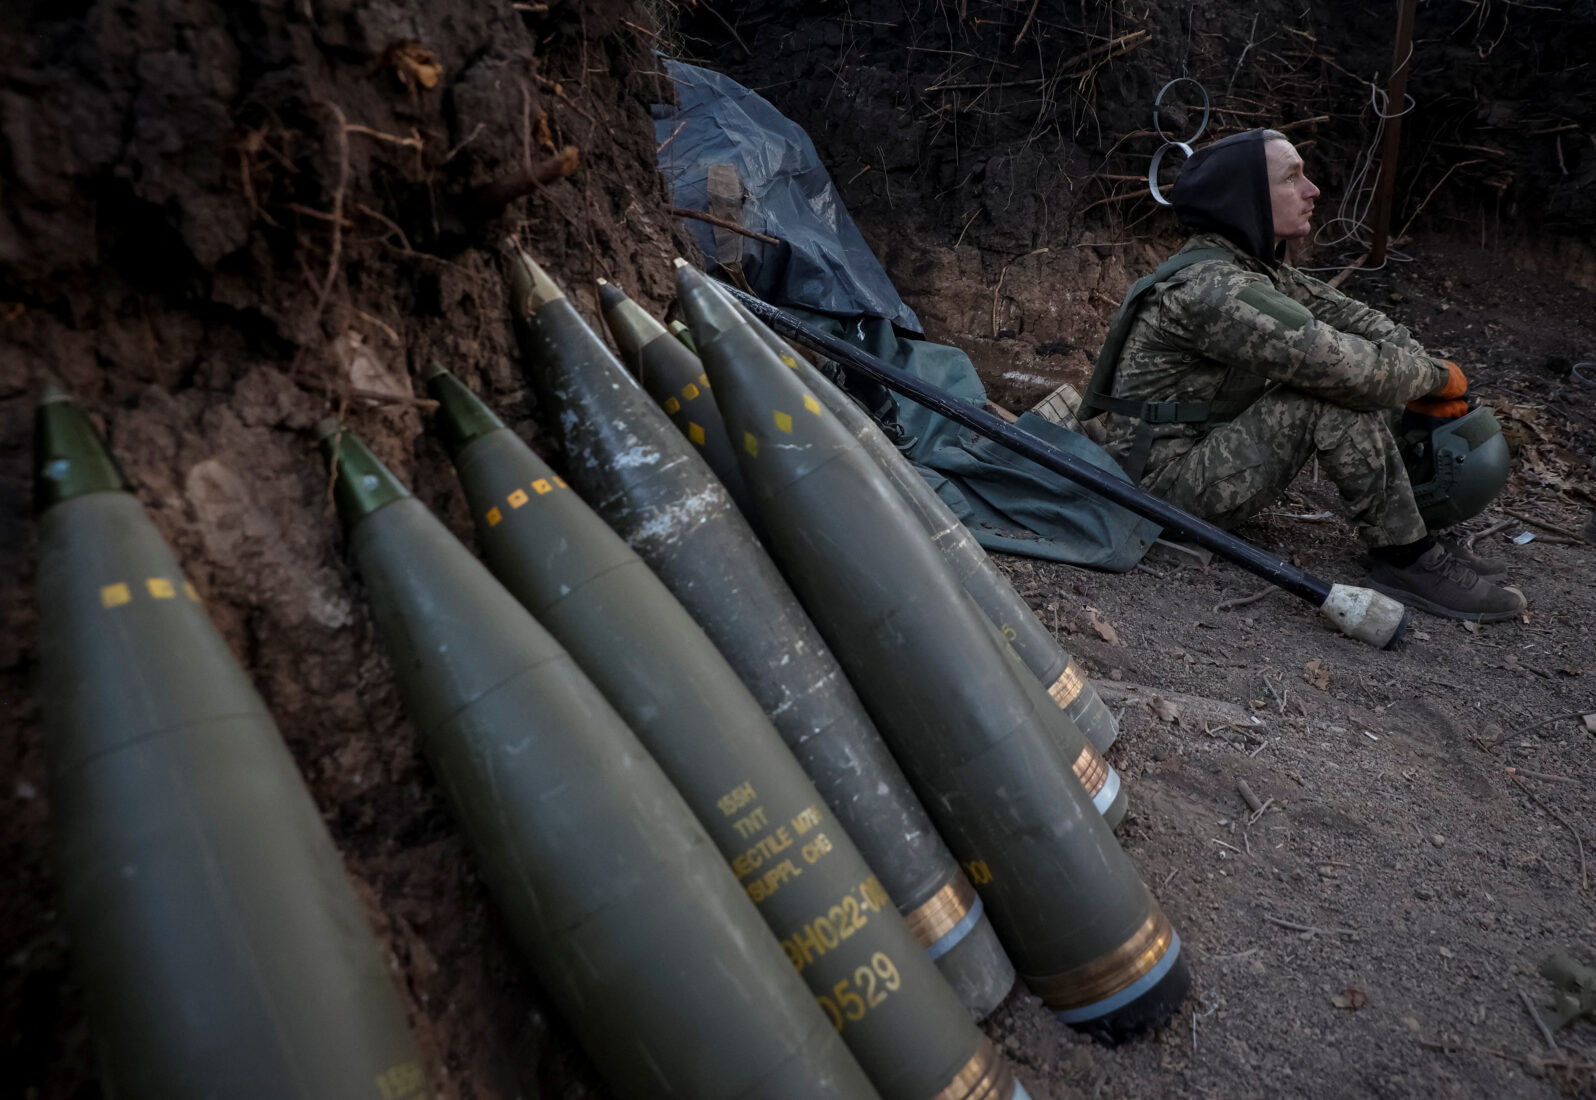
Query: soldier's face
1291	192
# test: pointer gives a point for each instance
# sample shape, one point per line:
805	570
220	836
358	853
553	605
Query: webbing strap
1172	412
1099	391
1149	413
1135	463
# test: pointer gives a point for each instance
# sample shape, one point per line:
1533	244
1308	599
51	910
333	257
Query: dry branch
495	196
723	223
337	216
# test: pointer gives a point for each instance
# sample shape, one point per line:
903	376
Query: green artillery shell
673	377
991	590
665	678
684	334
222	948
968	725
611	889
654	490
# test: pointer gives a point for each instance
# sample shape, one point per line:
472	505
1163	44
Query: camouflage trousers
1245	464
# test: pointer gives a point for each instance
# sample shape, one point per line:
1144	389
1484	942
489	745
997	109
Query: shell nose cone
632	327
530	286
610	295
461	415
70	458
708	311
361	483
52	389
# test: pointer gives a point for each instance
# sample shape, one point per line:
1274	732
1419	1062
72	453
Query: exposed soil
190	237
173	178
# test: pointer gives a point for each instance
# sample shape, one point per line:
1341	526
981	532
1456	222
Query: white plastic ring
1152	169
1158	102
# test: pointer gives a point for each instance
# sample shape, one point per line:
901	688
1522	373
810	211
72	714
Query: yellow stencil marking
751	444
542	486
494	516
115	595
560	481
811	404
402	1081
689	391
703	380
695	433
672	405
784	422
188	590
160	588
790	361
517	498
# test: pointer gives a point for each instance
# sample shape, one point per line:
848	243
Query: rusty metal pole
1396	92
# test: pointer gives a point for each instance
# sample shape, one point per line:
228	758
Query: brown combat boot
1487	569
1442	585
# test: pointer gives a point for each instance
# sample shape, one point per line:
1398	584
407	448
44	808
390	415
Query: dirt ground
1428	811
171	244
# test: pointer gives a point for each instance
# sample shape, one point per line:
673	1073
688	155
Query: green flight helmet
1457	467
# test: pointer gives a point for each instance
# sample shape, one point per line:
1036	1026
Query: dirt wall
220	222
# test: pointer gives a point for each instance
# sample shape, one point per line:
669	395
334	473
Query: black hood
1224	188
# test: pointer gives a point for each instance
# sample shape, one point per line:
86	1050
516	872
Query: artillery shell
969	726
221	946
665	678
652	488
609	886
673	377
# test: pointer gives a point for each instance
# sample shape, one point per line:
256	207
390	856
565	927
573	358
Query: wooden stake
1396	99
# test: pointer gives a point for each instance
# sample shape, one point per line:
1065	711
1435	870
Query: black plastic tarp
822	263
825	270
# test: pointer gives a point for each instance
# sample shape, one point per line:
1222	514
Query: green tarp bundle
1009	503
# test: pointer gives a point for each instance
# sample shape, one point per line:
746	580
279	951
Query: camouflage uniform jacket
1229	329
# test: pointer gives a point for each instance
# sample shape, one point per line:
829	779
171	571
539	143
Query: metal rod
1396	95
1268	566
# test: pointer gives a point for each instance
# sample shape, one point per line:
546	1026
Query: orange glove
1456	384
1447	402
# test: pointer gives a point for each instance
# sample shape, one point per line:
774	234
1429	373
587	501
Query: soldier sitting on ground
1228	370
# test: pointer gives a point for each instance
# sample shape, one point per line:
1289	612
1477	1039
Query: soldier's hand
1447	402
1456	384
